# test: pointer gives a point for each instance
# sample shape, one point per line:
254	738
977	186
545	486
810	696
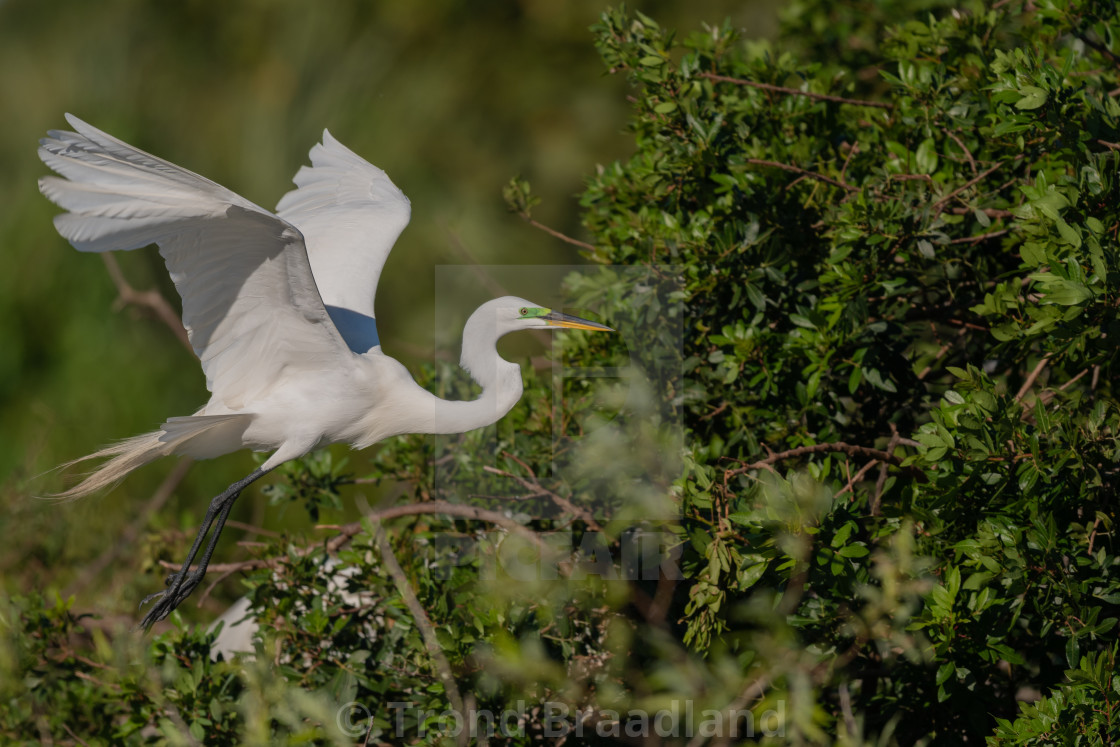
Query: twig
877	496
347	531
752	692
846	448
804	172
1093	534
75	736
149	299
980	237
960	144
213	585
795	92
553	232
851	152
940	353
556	498
1099	47
251	529
911	178
654	609
127	538
846	709
858	476
940	204
990	212
1031	377
722	406
1072	381
427	630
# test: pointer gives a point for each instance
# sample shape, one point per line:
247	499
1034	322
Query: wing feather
250	303
350	214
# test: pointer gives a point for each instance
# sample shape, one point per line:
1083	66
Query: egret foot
184	581
171	597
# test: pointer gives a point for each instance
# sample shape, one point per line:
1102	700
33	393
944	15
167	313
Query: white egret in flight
279	308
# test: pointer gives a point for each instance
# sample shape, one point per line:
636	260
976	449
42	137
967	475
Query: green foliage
930	274
873	284
1075	712
62	677
313	479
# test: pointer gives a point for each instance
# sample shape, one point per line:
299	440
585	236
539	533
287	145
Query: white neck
499	395
406	407
401	406
500	379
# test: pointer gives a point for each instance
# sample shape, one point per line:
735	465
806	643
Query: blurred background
452	98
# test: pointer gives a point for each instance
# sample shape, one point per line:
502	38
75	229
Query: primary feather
350	215
250	304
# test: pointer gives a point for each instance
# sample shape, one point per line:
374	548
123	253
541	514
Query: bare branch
803	172
981	237
1032	377
752	692
149	299
427	630
556	498
840	446
961	145
850	485
877	496
553	232
940	204
346	532
127	539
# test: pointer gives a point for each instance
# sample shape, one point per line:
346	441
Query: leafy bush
890	267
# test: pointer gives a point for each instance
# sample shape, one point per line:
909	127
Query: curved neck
402	406
498	398
500	380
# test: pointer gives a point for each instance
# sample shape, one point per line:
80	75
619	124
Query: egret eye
524	311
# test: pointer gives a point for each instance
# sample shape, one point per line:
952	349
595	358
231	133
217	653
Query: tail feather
212	435
126	456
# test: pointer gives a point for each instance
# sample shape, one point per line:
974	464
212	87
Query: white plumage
279	308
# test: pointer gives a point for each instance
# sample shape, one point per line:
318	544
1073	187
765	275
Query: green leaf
1069	234
1032	98
749	575
1060	291
1073	652
926	156
854	379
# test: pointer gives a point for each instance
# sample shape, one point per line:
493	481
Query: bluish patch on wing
358	330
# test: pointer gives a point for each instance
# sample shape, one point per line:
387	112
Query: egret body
279	308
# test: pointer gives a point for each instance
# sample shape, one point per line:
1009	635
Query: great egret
279	308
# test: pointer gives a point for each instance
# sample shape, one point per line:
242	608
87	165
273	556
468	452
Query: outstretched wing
250	304
350	215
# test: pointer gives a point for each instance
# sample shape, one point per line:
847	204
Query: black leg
181	583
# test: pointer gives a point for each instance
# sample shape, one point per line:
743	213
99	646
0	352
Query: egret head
515	314
501	316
